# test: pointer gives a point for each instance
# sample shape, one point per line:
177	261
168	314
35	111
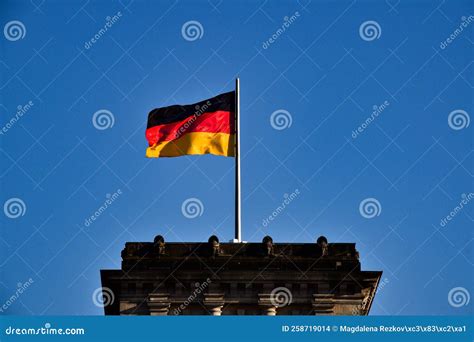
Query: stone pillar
216	310
323	304
268	306
158	304
214	302
270	311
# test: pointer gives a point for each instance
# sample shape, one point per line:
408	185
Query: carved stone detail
215	246
267	243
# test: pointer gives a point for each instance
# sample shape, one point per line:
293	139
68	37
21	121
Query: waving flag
206	127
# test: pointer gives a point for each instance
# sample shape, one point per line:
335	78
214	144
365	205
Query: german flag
206	127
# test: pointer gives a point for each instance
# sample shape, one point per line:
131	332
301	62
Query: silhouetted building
213	278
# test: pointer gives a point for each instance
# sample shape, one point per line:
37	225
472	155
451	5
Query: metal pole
238	231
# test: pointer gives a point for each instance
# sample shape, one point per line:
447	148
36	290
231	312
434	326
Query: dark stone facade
213	278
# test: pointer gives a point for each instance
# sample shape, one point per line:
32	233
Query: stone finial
159	244
323	243
159	239
214	243
267	243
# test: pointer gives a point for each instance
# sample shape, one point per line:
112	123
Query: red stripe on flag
215	122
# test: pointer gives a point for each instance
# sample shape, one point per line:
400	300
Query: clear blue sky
320	70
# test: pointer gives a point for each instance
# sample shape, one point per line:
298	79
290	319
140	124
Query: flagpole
238	230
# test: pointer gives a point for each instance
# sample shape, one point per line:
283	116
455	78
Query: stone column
216	310
158	304
270	311
268	306
214	302
323	304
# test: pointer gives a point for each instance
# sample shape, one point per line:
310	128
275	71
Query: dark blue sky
323	69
